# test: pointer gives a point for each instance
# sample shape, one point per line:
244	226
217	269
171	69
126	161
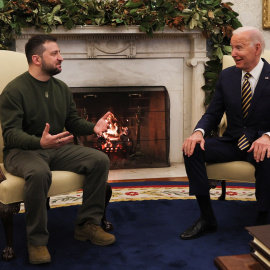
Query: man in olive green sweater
36	108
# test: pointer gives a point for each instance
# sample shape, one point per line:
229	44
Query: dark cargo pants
36	166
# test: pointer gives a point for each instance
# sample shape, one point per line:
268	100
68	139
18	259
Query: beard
50	70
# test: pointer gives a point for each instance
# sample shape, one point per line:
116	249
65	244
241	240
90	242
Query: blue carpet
147	235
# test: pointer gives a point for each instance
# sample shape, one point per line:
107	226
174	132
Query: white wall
251	14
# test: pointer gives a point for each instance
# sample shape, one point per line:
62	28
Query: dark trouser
217	151
36	166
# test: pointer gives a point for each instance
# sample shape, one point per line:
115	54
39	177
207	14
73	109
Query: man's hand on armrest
261	148
190	143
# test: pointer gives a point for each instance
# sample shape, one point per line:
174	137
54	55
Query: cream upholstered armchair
239	171
13	64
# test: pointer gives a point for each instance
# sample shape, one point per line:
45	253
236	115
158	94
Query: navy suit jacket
227	98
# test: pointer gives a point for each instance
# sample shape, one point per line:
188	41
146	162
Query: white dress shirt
255	75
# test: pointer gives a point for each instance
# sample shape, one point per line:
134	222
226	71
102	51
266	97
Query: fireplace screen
138	136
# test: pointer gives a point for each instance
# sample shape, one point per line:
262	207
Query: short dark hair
35	45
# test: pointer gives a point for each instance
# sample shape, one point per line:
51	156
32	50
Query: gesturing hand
49	141
102	125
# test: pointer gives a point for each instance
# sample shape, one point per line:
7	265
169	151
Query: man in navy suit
252	125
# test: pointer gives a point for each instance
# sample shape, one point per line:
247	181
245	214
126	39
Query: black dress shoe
199	228
262	218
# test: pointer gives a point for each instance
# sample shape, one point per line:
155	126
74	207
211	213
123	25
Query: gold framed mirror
266	14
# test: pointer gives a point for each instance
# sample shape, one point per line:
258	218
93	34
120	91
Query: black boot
262	218
205	224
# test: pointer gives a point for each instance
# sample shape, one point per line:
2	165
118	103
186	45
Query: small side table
237	262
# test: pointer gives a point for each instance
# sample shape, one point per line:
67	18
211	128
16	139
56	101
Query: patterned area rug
148	191
176	192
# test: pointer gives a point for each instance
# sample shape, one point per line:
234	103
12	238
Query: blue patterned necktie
243	142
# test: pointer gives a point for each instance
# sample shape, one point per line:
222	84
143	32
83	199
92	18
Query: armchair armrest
2	175
222	125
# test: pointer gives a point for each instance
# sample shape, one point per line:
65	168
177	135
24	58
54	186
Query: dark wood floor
169	179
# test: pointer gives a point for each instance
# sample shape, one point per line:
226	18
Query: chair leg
223	191
107	226
7	211
48	204
212	183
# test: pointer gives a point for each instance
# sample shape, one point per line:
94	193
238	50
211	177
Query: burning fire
113	140
112	132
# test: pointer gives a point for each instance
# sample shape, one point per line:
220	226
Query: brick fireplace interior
138	136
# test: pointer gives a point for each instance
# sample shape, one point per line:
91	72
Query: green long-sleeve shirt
27	104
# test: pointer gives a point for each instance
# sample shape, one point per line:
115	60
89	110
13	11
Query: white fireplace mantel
96	56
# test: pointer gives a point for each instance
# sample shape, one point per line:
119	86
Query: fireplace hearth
138	134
